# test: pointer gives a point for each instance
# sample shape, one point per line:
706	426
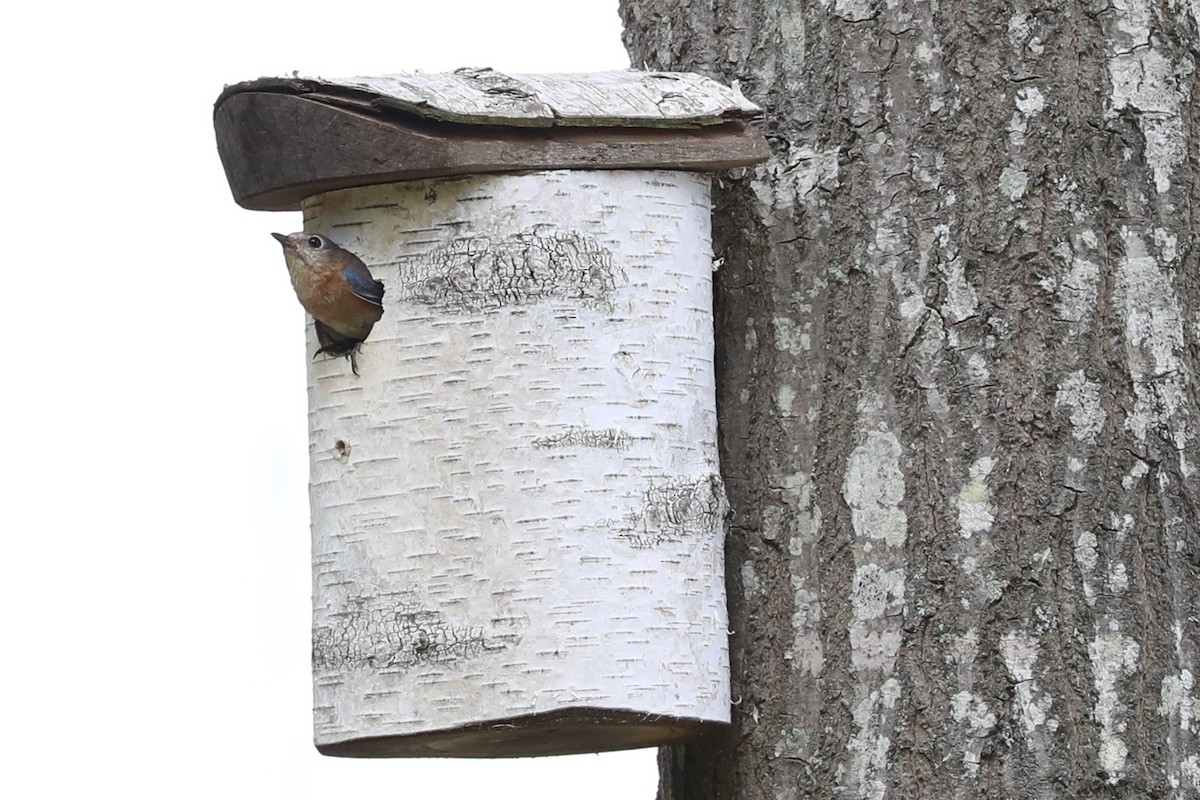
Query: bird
336	289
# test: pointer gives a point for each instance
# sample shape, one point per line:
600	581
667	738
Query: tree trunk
958	333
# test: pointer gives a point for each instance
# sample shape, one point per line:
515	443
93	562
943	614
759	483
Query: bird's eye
315	242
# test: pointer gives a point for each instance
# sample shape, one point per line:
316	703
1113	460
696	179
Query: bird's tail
337	344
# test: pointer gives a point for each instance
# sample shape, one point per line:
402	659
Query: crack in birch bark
397	630
672	510
478	273
605	439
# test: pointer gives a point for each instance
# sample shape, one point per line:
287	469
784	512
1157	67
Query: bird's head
311	249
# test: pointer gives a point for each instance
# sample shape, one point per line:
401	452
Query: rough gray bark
958	340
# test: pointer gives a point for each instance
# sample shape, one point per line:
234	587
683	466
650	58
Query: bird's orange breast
326	297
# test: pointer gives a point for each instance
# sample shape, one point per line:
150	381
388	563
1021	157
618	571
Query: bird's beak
283	239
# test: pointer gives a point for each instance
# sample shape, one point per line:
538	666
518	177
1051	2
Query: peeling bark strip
958	350
538	391
484	96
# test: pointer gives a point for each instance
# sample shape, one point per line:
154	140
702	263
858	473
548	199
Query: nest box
517	512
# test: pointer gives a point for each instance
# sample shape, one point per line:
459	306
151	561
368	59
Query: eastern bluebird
336	288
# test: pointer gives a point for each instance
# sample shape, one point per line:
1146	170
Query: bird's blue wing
358	279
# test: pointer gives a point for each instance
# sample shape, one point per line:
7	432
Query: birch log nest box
517	512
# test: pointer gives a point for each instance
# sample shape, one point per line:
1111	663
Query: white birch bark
591	99
516	507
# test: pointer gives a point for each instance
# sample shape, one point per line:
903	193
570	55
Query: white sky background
155	582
